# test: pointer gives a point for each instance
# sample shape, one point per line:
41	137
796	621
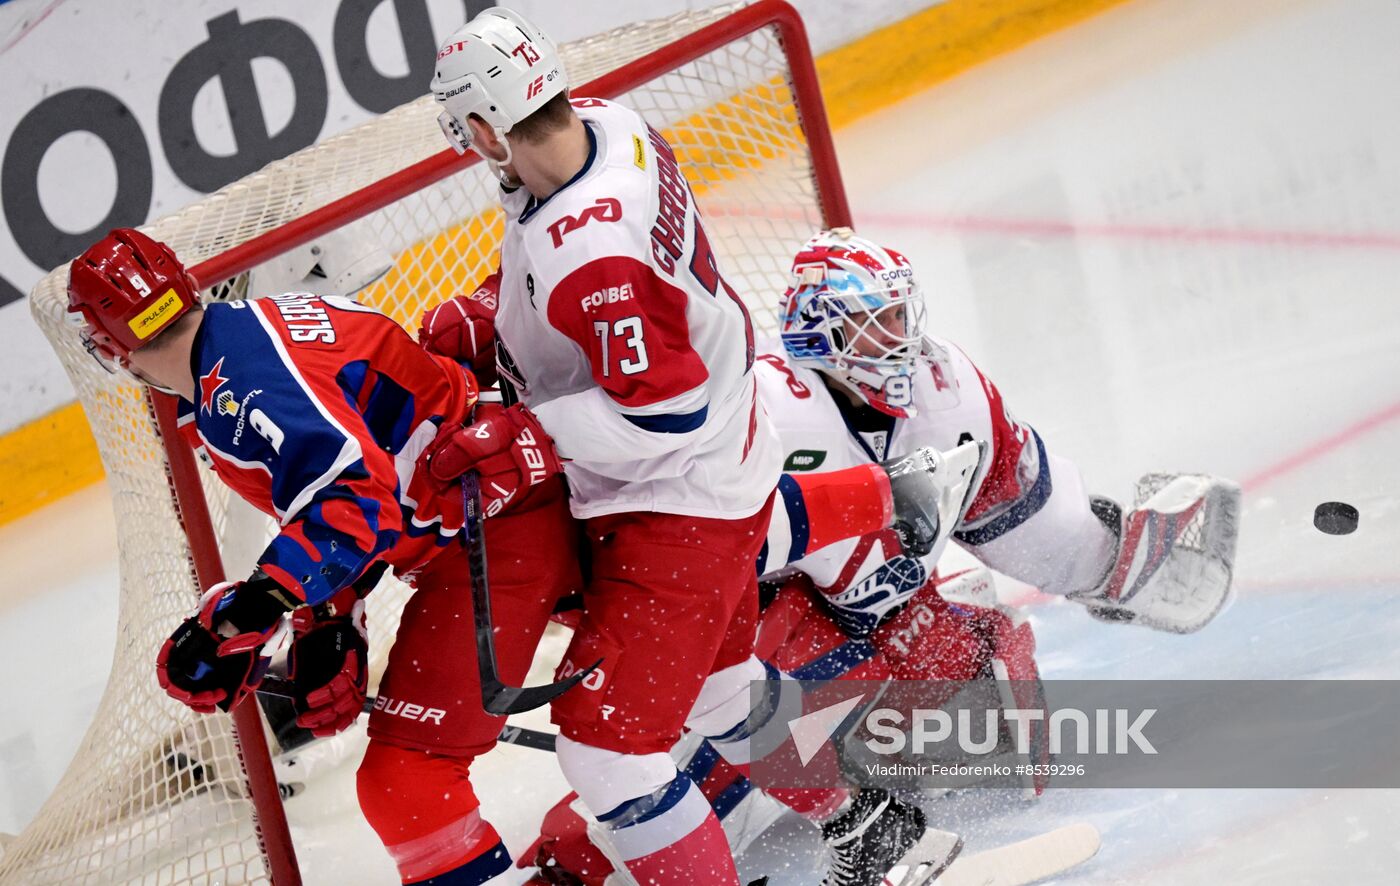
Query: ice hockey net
157	794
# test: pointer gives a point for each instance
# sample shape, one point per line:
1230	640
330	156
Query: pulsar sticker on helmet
157	316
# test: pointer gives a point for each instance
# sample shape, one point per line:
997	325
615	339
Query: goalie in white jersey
857	379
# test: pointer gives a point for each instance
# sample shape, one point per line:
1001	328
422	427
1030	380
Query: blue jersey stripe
838	662
796	507
1027	506
671	422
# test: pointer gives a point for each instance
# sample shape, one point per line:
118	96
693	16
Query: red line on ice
1267	475
1320	448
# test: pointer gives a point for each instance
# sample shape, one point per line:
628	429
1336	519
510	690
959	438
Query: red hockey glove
213	660
507	447
464	328
328	664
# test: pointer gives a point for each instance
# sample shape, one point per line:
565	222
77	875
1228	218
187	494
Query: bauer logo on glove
508	449
215	658
464	329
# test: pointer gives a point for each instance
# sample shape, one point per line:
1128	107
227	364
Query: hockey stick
496	696
1019	863
528	738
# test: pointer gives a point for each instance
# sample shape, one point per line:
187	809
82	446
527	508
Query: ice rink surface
1171	235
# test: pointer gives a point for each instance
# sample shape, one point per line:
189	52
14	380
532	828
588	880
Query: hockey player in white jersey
628	349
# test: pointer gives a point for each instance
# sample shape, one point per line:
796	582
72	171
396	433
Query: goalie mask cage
157	794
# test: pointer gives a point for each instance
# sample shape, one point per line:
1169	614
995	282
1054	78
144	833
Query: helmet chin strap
498	167
843	381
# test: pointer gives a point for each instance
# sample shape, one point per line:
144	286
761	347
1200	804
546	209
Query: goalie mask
124	291
854	311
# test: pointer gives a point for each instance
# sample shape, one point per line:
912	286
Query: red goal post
159	794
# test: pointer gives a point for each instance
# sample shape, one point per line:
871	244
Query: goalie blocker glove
507	447
932	491
214	659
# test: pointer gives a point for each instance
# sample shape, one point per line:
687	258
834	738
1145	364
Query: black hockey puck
1336	518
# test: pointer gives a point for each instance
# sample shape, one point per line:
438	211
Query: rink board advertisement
96	135
1018	735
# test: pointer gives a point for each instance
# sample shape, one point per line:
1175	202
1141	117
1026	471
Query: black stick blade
498	698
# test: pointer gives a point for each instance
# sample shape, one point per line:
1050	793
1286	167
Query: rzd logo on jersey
604	209
593	682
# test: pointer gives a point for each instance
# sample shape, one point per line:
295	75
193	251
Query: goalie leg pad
969	643
933	638
425	812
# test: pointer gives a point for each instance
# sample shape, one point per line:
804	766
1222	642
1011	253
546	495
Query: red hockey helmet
127	288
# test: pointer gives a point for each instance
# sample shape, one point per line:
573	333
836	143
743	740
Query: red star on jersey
209	385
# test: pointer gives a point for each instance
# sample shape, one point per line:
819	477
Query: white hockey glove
1176	553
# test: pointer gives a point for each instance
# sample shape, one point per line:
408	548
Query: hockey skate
932	491
1176	553
879	833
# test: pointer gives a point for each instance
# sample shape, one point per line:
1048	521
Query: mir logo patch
804	460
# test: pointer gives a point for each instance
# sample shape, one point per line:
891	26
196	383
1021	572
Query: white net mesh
156	794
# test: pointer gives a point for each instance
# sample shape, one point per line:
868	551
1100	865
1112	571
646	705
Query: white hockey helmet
499	67
854	311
